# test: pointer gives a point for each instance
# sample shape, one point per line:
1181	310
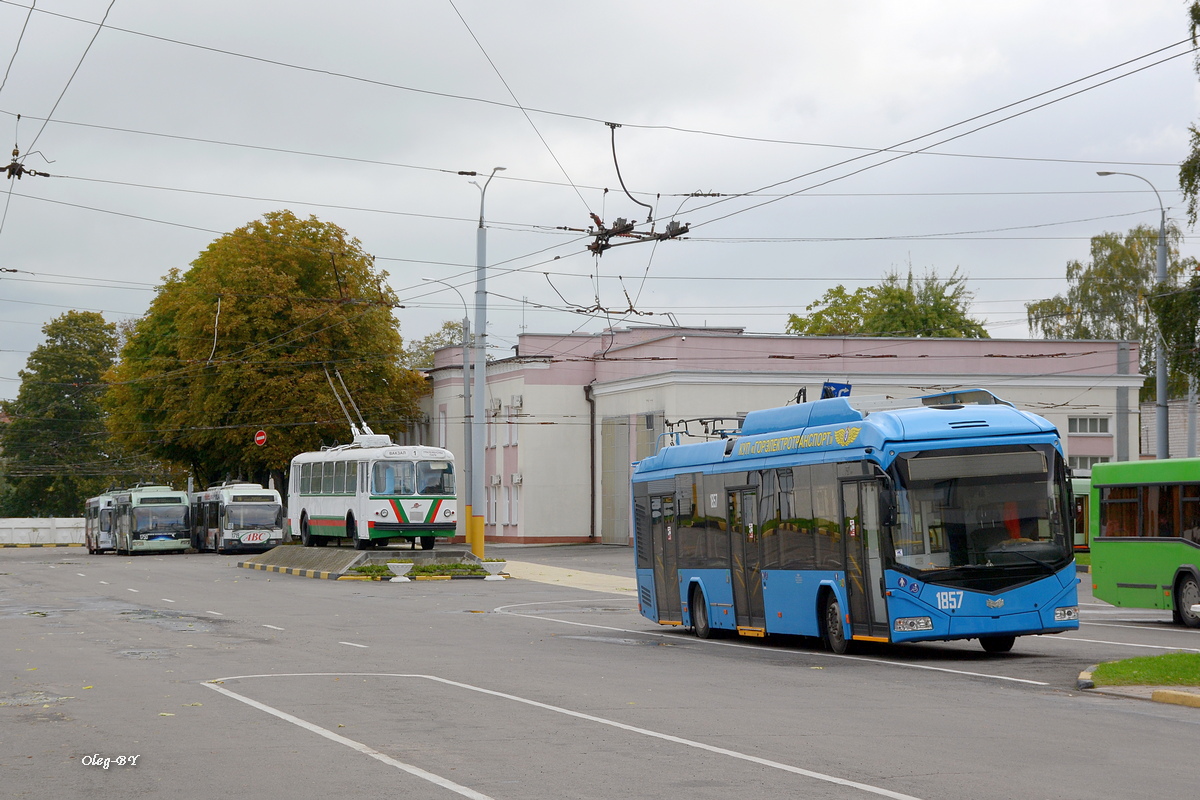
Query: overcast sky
178	121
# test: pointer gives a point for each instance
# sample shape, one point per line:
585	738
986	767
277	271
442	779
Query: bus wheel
699	609
1187	594
835	631
427	542
306	538
997	644
352	532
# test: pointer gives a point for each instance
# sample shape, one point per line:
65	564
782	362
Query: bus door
666	563
746	561
864	567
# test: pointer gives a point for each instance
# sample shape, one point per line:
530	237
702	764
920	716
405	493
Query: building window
514	509
506	508
442	428
1087	425
1085	462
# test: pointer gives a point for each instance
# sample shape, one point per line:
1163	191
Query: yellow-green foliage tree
241	342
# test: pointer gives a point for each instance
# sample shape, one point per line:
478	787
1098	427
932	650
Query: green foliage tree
898	306
1108	297
1189	168
241	342
419	354
55	445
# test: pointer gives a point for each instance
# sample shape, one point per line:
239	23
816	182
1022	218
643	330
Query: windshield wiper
1048	567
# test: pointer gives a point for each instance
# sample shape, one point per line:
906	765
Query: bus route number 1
948	601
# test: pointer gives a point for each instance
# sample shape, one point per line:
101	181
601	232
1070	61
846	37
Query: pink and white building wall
569	412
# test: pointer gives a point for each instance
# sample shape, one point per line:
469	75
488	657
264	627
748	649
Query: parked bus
1146	535
859	521
371	492
1081	490
151	519
98	523
236	517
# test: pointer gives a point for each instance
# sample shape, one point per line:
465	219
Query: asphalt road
234	682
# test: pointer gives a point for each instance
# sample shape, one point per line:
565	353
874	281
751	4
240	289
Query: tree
896	307
1178	313
419	354
1189	169
1107	298
243	340
55	445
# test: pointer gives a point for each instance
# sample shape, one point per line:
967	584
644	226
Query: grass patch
447	569
1172	669
372	569
1083	559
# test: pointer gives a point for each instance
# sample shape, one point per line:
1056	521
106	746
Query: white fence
41	531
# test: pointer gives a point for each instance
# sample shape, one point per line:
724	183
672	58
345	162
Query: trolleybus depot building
568	413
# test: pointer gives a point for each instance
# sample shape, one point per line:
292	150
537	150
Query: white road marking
104	582
1159	628
359	746
1124	644
133	590
352	644
167	600
80	574
719	643
273	627
218	613
820	776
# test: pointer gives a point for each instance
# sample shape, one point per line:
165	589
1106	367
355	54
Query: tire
699	608
997	644
833	627
306	538
1187	594
427	542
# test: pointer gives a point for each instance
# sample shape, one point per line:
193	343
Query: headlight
913	624
1066	614
383	512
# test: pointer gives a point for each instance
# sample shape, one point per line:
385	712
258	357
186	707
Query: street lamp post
1162	438
478	420
468	457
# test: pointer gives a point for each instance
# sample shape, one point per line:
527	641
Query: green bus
1145	535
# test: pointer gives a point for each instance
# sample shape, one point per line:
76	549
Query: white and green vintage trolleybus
371	492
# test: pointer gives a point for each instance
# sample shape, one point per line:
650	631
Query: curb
68	544
303	573
1172	696
1176	698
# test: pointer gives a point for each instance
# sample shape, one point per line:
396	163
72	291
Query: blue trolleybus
951	518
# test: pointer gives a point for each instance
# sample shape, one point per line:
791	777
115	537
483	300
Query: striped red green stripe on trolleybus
417	511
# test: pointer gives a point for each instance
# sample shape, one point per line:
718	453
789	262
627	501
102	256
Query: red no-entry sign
260	438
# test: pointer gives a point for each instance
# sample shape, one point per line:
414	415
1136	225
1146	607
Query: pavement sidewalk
575	578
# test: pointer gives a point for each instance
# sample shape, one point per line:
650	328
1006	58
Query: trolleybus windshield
247	516
409	478
981	519
435	477
148	519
